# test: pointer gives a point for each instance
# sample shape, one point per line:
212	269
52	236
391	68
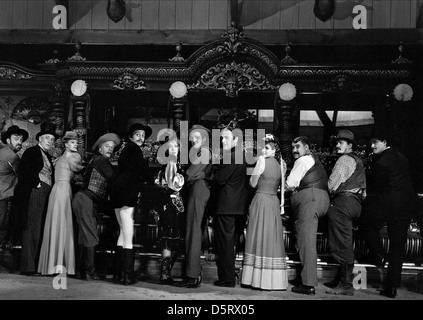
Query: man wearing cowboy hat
93	192
35	179
9	162
347	184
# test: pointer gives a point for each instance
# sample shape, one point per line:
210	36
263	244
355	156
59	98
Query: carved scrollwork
233	77
128	81
13	74
232	45
341	83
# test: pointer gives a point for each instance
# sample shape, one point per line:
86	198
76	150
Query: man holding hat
9	162
35	179
93	192
347	185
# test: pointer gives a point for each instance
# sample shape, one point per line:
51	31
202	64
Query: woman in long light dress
264	264
57	249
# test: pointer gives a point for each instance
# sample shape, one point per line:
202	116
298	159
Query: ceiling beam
199	37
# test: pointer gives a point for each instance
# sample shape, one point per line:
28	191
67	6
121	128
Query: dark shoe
303	289
345	290
91	276
31	274
188	283
223	283
166	280
129	279
390	292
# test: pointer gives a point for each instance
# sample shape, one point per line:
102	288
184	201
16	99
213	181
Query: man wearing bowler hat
93	192
9	163
347	185
35	179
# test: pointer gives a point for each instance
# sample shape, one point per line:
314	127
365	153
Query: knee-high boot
118	273
79	263
89	264
128	267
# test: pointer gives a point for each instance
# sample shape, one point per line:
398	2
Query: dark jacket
231	185
133	171
29	167
390	189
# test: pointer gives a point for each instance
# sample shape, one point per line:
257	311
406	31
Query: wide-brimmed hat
138	126
47	128
197	127
107	137
14	130
346	135
269	137
70	135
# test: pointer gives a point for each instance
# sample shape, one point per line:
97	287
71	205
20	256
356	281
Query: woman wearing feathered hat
264	229
36	177
133	171
93	192
57	247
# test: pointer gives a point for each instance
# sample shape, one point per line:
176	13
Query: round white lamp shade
78	88
178	89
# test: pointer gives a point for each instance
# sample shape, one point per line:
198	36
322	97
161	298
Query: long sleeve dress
57	249
264	265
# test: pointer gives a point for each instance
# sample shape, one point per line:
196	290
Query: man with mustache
35	179
391	199
309	201
93	192
9	163
347	185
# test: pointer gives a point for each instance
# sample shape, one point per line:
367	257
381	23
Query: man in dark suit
391	199
231	201
35	179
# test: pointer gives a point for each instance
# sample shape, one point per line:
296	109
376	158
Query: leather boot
79	263
118	274
334	283
89	264
345	286
128	267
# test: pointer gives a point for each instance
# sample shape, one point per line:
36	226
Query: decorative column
80	122
287	120
177	102
58	107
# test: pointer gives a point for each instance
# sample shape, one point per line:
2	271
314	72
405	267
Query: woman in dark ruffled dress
171	180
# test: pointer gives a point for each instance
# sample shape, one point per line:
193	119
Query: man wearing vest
347	185
309	202
93	192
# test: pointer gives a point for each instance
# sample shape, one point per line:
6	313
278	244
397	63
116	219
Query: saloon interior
291	67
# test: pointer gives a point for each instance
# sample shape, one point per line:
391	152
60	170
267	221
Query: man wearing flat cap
93	192
9	162
347	185
35	179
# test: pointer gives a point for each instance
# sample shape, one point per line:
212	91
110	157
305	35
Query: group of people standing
37	196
